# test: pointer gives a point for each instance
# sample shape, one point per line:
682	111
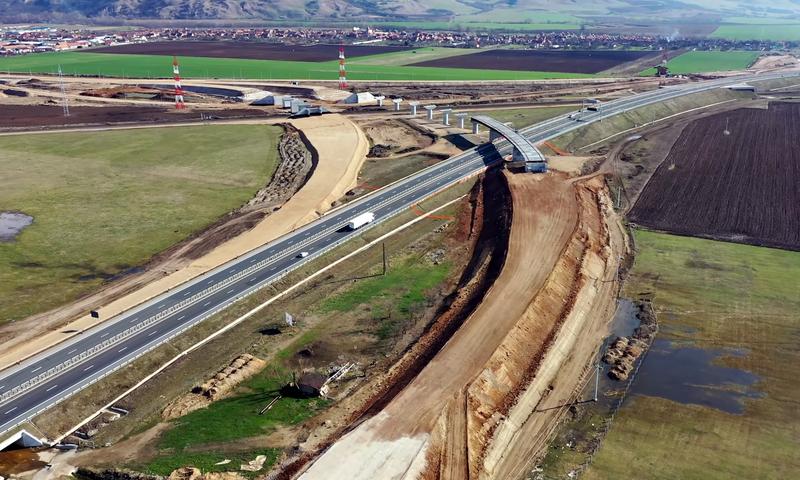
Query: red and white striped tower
342	76
176	75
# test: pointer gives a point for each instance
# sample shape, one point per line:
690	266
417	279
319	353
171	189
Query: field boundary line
252	312
654	122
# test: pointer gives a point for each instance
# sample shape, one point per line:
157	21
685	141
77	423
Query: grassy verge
598	134
160	66
104	202
716	61
714	295
336	336
208	462
524	117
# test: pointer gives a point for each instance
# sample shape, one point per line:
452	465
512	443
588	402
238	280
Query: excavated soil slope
437	425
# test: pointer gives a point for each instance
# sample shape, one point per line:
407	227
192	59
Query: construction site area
420	280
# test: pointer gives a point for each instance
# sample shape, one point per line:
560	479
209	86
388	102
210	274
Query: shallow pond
11	224
687	374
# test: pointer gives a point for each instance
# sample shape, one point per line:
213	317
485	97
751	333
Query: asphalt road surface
120	340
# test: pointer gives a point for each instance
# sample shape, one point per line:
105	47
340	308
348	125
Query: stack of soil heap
240	369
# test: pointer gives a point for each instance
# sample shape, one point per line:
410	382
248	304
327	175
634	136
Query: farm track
741	186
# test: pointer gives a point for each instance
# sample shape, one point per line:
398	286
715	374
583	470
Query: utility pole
596	380
385	263
65	104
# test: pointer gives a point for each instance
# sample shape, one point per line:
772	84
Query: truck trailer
360	220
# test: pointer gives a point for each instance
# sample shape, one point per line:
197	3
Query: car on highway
302	255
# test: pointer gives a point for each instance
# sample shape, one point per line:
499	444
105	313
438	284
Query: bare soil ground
250	50
441	423
389	137
736	186
593	61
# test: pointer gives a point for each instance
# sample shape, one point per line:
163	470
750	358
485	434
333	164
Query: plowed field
249	50
742	186
594	61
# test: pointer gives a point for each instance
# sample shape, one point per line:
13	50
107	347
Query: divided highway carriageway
41	381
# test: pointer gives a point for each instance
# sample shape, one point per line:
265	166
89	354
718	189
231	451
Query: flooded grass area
12	224
715	398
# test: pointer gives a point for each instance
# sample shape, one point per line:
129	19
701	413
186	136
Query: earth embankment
442	424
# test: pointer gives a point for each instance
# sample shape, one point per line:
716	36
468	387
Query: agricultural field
701	61
160	66
714	400
103	203
738	186
247	50
769	31
586	62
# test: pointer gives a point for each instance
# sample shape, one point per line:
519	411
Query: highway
53	375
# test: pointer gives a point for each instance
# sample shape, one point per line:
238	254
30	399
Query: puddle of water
11	224
690	375
14	462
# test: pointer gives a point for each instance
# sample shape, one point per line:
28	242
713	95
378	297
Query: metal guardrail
257	266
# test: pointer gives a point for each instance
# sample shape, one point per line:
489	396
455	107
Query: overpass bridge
523	154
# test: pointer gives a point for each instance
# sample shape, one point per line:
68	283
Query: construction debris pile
295	168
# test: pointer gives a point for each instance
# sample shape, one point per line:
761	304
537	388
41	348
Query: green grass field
768	31
715	295
158	66
104	202
699	62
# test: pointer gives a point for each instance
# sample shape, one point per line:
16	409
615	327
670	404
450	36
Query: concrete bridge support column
476	127
461	118
493	135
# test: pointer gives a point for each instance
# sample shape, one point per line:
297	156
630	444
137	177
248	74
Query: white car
302	255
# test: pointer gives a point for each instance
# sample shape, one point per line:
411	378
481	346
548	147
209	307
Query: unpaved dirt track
395	443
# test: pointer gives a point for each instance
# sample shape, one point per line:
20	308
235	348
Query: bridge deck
526	149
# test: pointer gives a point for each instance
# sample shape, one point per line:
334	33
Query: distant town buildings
19	40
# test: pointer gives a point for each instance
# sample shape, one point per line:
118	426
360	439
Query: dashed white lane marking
253	260
206	304
88	368
51	388
122	349
36	369
104	335
73	350
230	291
162	305
181	317
152	333
187	293
10	411
134	319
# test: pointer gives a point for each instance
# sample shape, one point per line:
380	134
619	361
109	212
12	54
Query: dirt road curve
442	424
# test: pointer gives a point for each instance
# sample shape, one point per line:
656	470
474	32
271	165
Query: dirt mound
216	387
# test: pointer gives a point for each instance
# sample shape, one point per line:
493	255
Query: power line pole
65	104
385	263
596	380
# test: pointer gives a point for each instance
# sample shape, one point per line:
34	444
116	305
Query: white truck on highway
360	220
